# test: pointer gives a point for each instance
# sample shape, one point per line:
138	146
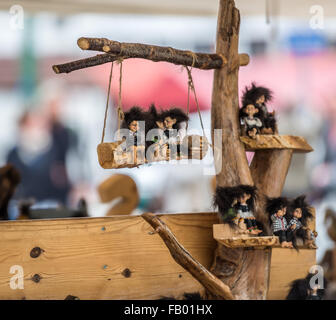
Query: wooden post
245	271
269	169
233	166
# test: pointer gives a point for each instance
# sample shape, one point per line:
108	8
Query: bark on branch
213	285
84	63
157	53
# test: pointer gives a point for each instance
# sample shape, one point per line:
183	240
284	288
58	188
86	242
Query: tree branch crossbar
114	50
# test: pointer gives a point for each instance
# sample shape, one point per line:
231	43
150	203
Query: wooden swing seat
111	155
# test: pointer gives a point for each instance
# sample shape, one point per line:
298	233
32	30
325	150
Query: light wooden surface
86	257
269	170
269	141
288	265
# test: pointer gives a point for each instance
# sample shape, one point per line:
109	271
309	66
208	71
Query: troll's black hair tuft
175	113
251	94
134	114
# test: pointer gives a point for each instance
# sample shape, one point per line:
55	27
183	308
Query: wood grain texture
215	288
86	257
230	238
245	271
269	141
286	266
269	170
230	158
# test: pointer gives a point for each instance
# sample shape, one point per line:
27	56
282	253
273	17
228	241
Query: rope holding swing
107	102
192	87
121	114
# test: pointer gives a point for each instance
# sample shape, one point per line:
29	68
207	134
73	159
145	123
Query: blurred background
51	124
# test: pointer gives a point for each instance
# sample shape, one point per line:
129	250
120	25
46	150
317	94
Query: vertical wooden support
245	271
231	165
269	169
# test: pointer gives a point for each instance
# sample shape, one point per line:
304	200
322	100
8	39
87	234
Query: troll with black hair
154	133
236	206
135	138
131	122
276	208
303	289
298	215
250	122
172	120
259	96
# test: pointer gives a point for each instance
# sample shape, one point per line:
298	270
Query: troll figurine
298	215
135	139
259	96
276	208
236	206
172	138
251	124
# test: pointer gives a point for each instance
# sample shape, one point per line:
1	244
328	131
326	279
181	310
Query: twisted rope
107	102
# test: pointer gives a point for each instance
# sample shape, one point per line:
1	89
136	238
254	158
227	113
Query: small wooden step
270	141
230	238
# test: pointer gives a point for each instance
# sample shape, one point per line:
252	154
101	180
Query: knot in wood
36	278
35	252
127	273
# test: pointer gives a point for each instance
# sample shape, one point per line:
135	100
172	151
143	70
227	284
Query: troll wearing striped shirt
276	208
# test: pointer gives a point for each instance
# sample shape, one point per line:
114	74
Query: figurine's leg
282	238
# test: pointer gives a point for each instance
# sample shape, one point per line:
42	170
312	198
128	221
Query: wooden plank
286	266
269	141
86	257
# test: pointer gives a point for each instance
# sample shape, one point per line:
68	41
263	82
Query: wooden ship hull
120	257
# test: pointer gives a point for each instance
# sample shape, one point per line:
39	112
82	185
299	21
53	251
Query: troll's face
281	212
297	213
169	122
261	99
251	110
133	126
244	197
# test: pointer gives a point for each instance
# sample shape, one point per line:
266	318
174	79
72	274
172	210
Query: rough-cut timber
102	258
215	287
157	53
269	170
84	63
268	141
231	163
245	271
227	236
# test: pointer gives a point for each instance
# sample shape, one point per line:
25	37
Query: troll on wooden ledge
254	115
236	206
298	216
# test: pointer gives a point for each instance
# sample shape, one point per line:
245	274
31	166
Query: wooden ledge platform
270	141
230	238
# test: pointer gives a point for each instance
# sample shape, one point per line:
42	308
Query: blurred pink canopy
310	80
